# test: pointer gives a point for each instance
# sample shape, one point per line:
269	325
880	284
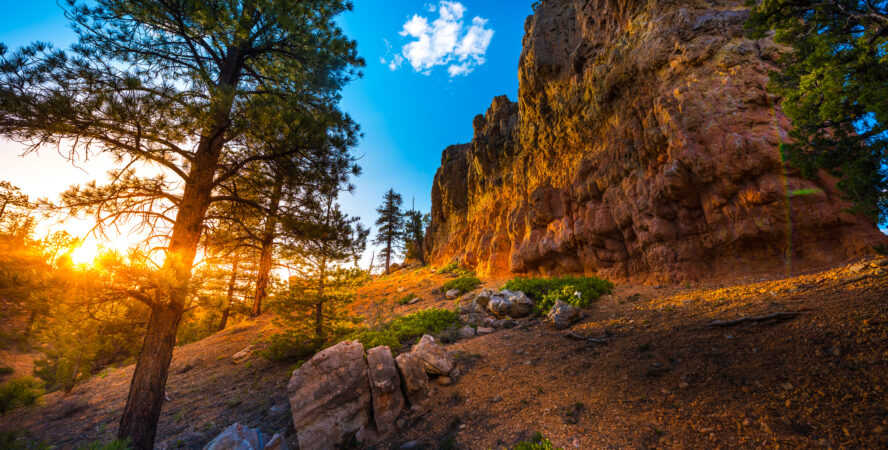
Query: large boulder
435	359
385	387
330	397
237	437
414	380
510	303
564	315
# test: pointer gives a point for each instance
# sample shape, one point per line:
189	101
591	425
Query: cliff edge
643	146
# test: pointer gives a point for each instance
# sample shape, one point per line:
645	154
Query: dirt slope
663	378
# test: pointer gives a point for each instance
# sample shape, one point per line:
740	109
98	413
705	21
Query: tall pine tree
175	85
390	227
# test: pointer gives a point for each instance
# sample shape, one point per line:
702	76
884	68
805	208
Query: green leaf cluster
405	330
464	283
19	392
833	85
537	442
577	291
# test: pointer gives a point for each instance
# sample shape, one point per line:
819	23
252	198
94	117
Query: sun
85	253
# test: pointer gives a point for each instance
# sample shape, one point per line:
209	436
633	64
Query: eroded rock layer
643	146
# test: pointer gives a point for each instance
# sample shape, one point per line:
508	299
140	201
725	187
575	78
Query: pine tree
414	233
390	227
175	85
834	85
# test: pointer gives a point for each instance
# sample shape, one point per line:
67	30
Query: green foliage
464	283
19	392
448	268
415	224
577	291
406	299
405	329
833	85
13	440
537	442
116	444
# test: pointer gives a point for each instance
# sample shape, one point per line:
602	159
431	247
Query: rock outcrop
330	397
385	387
643	146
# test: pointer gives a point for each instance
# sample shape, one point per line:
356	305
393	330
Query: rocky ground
655	374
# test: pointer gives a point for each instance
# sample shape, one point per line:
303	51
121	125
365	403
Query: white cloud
446	41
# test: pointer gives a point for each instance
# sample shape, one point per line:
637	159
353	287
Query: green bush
15	440
577	291
405	329
453	265
290	345
463	284
406	299
537	442
19	392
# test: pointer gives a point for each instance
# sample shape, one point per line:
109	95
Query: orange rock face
643	146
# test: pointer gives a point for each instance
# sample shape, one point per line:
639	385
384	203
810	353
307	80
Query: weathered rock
414	380
237	437
631	154
483	298
242	355
444	381
385	388
485	330
564	315
434	359
277	442
510	303
452	294
466	332
330	397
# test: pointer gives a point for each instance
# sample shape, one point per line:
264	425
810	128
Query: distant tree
390	227
834	86
174	85
415	223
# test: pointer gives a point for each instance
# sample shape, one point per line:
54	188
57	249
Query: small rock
242	355
859	267
485	330
409	445
452	294
414	301
497	398
435	360
236	437
836	351
444	381
277	442
879	430
467	332
510	303
564	315
788	386
683	385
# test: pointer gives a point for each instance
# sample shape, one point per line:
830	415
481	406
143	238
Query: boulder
435	360
414	380
330	397
564	315
510	303
452	294
466	332
482	299
237	437
385	388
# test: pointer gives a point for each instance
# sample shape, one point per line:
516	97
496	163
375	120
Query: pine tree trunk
232	283
388	254
146	395
265	254
30	326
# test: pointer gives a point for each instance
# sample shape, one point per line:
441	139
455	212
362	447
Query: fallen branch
777	317
588	339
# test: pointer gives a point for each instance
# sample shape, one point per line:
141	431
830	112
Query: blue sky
431	67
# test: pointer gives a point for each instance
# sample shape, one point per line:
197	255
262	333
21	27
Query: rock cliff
643	146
